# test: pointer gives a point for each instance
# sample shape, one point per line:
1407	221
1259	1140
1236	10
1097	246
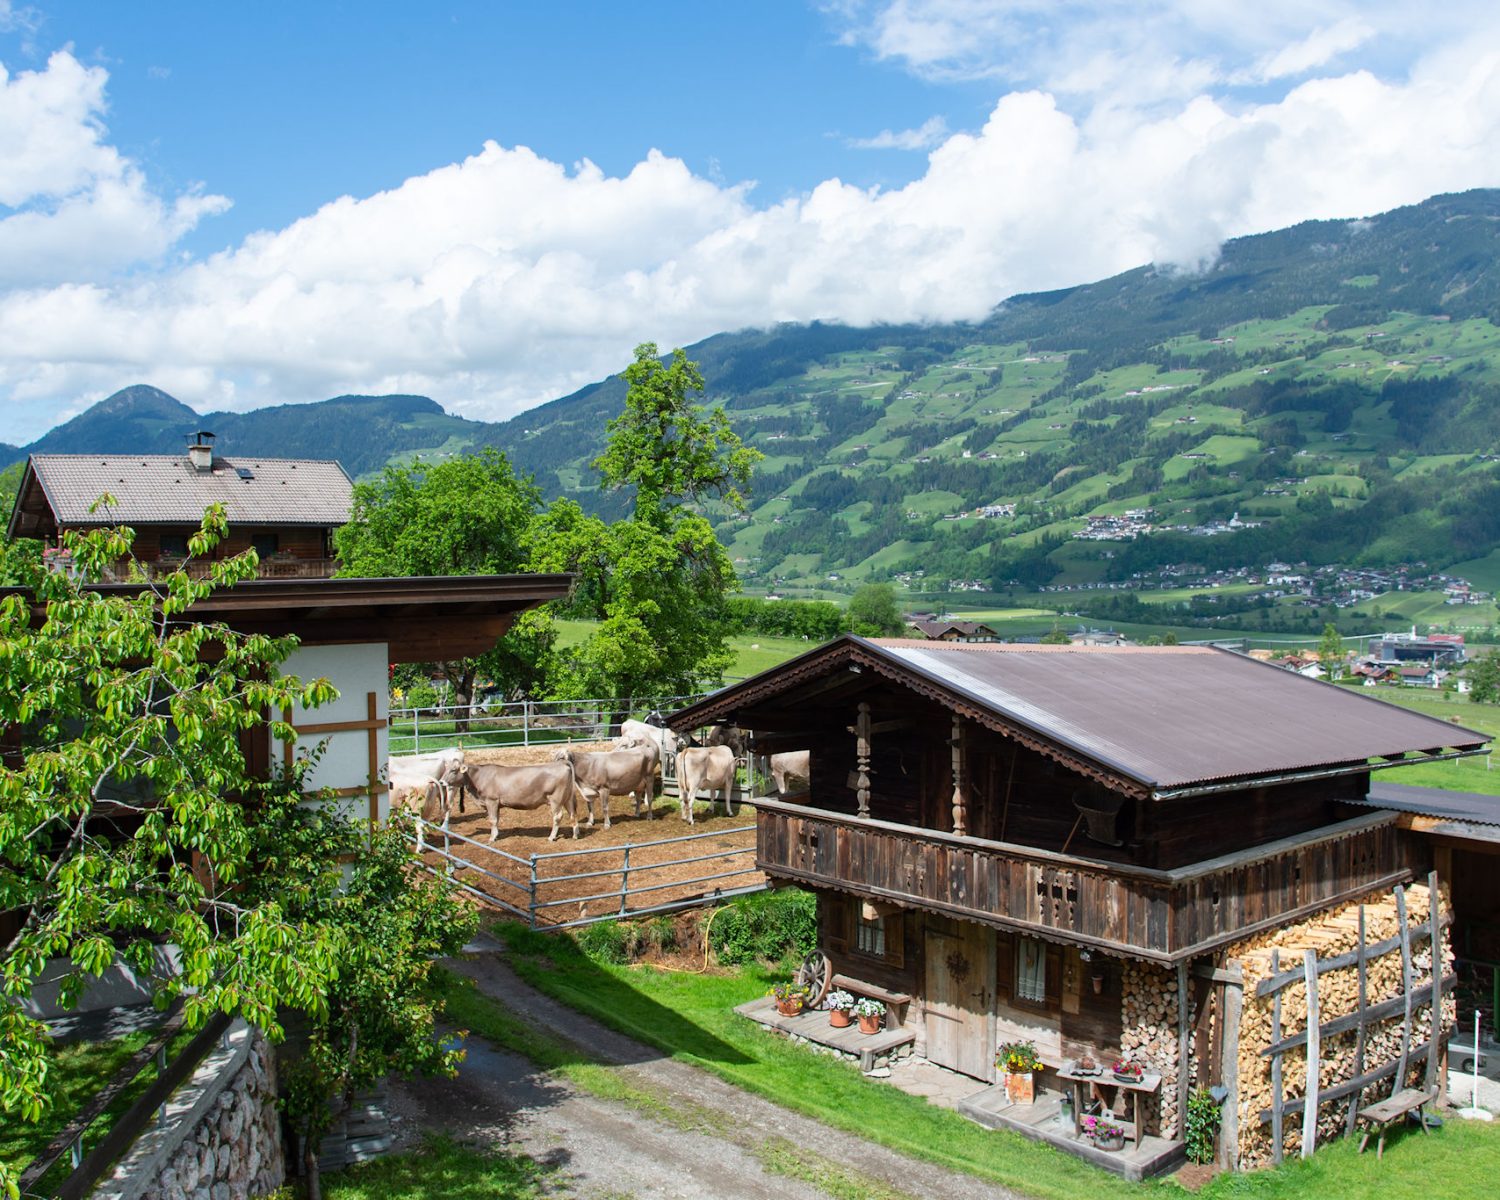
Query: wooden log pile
1150	1037
1341	1056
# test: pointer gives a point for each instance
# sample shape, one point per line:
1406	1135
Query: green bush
608	941
1203	1117
660	934
766	927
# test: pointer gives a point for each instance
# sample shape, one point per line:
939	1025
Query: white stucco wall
356	671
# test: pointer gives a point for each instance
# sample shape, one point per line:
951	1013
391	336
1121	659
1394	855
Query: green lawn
689	1017
1463	774
442	1168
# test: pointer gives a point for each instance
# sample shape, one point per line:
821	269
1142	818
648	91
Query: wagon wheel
815	973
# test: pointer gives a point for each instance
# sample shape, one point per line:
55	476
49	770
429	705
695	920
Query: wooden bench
895	1002
1387	1112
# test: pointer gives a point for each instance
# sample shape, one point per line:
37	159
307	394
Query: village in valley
913	746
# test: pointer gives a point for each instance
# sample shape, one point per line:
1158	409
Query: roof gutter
1239	785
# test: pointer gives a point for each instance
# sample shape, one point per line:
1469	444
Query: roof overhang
421	620
853	653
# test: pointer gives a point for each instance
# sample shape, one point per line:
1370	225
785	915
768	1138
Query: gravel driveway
719	1143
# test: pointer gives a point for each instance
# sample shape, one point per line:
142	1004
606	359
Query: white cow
603	774
498	787
408	774
632	740
794	764
664	739
705	767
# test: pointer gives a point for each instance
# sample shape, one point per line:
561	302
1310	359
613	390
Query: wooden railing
269	568
1161	915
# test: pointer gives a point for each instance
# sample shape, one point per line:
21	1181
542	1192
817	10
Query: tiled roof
164	489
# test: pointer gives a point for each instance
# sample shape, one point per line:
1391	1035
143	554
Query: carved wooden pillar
960	784
861	732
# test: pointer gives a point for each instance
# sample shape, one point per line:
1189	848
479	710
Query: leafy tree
658	581
873	611
18	556
1056	636
468	515
128	816
1484	679
390	922
1331	651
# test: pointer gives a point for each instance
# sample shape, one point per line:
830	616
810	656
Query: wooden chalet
287	509
1069	845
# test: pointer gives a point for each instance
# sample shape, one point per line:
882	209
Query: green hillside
1335	386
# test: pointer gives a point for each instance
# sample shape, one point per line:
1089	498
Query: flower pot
1110	1142
1020	1087
869	1024
840	1018
789	1008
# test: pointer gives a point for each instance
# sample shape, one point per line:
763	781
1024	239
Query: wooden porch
1042	1122
1165	916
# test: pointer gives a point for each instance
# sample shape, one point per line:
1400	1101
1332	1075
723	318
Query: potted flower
790	998
869	1013
840	1009
1104	1133
1018	1063
1126	1071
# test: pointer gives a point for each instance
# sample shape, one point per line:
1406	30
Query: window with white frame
869	936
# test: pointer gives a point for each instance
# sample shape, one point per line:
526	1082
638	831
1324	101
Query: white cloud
78	208
924	137
504	280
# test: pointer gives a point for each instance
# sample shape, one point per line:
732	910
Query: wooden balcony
278	567
1165	916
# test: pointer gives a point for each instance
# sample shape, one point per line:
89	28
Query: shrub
609	941
660	934
766	927
1203	1117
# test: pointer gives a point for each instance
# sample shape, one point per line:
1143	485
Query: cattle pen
539	890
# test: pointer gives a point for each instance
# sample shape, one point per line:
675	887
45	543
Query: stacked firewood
1149	1037
1329	934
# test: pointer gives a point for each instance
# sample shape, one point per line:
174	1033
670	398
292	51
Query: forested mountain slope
1336	385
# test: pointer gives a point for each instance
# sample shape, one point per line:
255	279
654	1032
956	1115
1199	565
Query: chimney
201	451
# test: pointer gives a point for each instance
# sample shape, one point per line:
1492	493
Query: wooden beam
1359	1045
1274	983
1183	1045
1435	1024
1293	1108
1314	1050
1405	988
1229	1049
1278	1105
1366	1016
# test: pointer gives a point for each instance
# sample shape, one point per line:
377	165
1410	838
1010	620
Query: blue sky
492	203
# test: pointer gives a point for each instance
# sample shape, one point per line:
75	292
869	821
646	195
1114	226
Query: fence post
416	730
526	722
624	878
447	849
531	891
161	1066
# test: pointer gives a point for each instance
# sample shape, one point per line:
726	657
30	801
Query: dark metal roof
1434	802
1169	717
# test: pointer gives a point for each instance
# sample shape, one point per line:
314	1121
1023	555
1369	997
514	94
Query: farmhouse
287	509
1102	852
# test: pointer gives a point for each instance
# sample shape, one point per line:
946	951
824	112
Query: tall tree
128	814
658	581
468	515
1331	651
873	611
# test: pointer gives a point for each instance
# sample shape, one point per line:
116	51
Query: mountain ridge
1336	384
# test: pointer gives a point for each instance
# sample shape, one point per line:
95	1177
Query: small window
1031	971
266	544
174	545
869	936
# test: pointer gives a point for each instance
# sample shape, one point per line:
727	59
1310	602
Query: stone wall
220	1138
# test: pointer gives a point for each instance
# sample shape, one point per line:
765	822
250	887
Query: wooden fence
1365	1015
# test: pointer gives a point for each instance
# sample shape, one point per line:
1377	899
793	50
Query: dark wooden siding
1160	915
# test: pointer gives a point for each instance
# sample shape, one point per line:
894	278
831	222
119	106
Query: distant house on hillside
953	631
287	509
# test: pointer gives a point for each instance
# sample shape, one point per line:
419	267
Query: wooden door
960	997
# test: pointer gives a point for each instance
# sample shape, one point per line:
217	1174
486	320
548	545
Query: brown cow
498	787
603	774
632	740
